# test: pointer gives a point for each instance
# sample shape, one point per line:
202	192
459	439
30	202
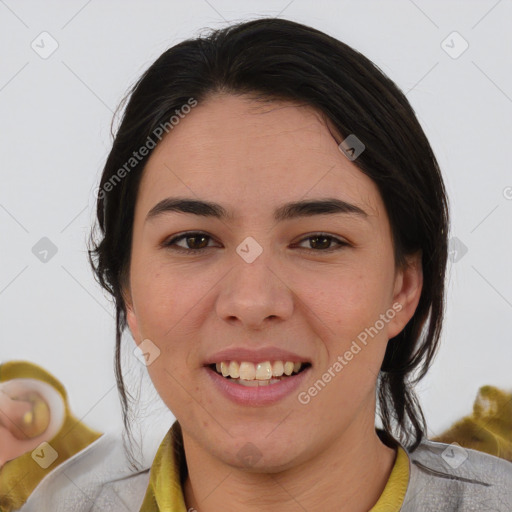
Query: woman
273	229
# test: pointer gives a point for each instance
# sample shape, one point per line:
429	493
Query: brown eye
321	242
194	242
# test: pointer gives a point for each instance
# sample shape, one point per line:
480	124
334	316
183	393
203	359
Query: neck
348	476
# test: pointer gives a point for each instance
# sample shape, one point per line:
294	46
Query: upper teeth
259	371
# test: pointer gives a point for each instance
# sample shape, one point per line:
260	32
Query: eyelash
168	244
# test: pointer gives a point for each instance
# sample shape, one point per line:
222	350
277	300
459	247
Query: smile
264	373
257	384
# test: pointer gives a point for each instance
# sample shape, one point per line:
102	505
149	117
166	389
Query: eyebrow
288	211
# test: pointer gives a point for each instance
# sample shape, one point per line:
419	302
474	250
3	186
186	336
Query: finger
12	413
12	448
26	416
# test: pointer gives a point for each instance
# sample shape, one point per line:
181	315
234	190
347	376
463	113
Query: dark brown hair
280	59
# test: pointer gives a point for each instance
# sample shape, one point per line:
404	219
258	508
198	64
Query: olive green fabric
19	477
489	428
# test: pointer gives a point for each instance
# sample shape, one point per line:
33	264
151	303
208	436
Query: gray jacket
442	478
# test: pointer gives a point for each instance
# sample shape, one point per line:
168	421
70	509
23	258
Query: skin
252	157
16	438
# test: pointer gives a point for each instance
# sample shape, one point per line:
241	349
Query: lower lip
260	395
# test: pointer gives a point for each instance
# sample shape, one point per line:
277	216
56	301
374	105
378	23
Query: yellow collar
169	470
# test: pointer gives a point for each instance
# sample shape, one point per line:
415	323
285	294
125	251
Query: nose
253	294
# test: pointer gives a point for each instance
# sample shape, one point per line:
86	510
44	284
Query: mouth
265	373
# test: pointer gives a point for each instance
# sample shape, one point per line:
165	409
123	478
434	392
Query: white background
55	117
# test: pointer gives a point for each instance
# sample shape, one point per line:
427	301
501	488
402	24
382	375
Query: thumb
25	416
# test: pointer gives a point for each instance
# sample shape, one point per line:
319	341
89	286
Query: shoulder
449	477
97	478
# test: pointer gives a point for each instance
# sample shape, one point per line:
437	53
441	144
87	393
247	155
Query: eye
195	242
321	242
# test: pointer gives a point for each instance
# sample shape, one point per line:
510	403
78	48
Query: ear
131	317
406	293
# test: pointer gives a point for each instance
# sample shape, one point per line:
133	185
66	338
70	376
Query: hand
24	419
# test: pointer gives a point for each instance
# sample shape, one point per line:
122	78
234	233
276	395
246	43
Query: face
264	284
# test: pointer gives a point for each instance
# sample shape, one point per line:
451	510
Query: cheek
162	296
173	385
347	298
171	304
344	307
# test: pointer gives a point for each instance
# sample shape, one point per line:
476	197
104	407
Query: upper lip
255	356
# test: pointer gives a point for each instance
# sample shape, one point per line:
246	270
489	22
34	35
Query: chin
253	460
261	454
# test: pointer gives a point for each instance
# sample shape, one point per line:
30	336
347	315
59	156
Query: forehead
250	155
